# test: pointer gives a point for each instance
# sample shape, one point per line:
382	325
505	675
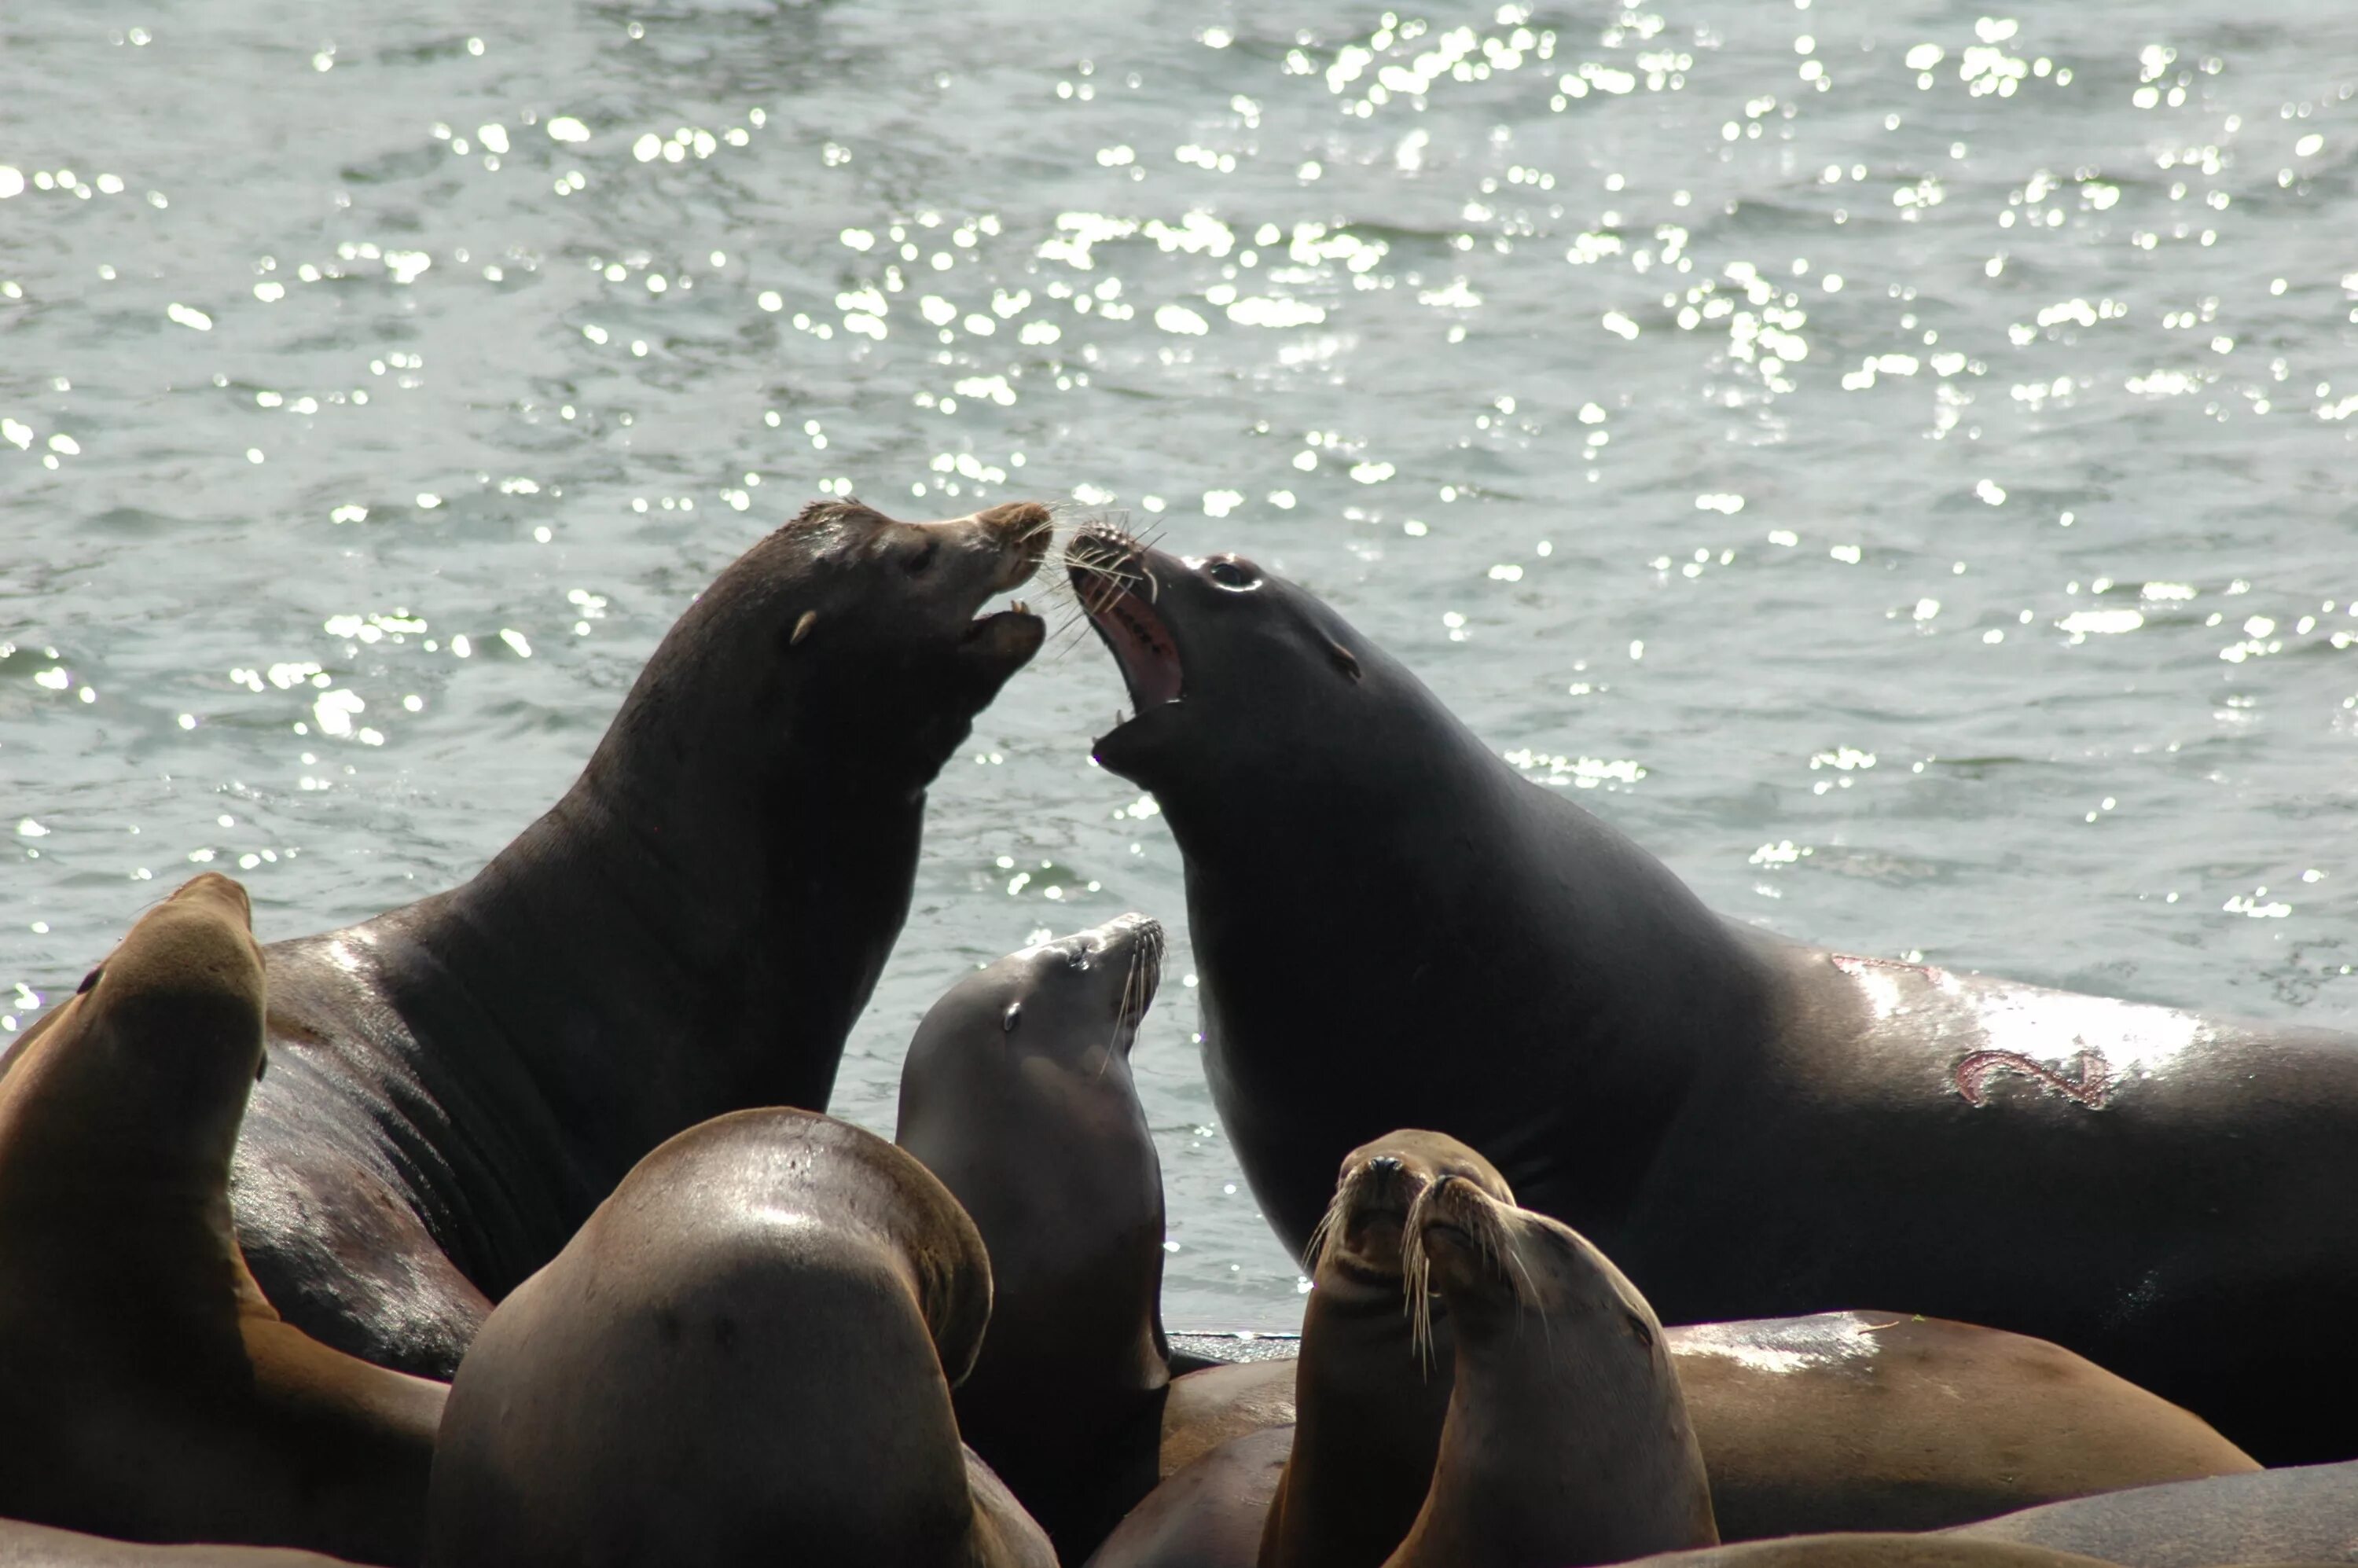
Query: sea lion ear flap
1344	659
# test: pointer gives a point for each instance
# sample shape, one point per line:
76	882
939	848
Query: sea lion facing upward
744	1357
1567	1440
691	929
1017	1094
147	1390
1368	1408
1752	1127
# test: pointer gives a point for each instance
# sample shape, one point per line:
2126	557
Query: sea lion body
1753	1127
745	1357
2303	1514
149	1390
1017	1094
692	928
39	1546
1882	1550
1208	1515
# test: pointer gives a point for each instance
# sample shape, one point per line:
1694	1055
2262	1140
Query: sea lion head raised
1358	1244
1076	1000
165	1033
1217	647
1493	1261
843	636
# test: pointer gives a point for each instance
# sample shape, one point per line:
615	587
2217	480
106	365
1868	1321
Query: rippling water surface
1896	461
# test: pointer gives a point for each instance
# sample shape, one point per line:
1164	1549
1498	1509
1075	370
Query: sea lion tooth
808	619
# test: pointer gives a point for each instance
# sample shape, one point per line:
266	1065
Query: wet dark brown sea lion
1751	1127
744	1357
691	929
1017	1094
147	1389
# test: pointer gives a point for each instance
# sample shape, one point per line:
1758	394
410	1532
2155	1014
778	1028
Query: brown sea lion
147	1388
1870	1551
1567	1440
1206	1516
691	929
1205	1408
1017	1094
2308	1513
1750	1126
38	1546
745	1357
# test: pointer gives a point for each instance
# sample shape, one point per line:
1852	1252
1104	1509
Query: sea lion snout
1020	530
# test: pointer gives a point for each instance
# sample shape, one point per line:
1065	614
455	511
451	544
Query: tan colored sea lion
38	1546
1880	1549
1567	1440
744	1357
2306	1513
147	1389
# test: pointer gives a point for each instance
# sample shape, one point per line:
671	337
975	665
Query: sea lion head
1218	647
1359	1243
1074	999
1496	1265
167	1030
845	638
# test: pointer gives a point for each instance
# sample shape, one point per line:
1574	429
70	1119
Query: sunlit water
1895	462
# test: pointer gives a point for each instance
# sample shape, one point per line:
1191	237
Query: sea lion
1753	1127
1205	1408
690	930
1369	1405
1870	1551
38	1546
2305	1514
147	1388
1567	1440
745	1357
1206	1516
1017	1094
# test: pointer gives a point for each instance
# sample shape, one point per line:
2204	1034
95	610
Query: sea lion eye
1231	573
1637	1328
922	557
89	979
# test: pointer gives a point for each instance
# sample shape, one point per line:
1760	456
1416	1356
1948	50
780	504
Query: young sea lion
744	1357
1752	1127
147	1388
1017	1094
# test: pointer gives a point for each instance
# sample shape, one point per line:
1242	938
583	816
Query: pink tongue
1148	659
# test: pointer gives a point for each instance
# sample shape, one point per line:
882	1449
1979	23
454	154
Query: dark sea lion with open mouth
1017	1094
147	1389
1753	1127
691	929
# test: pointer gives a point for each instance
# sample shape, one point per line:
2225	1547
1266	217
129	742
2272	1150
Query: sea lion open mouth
1108	569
